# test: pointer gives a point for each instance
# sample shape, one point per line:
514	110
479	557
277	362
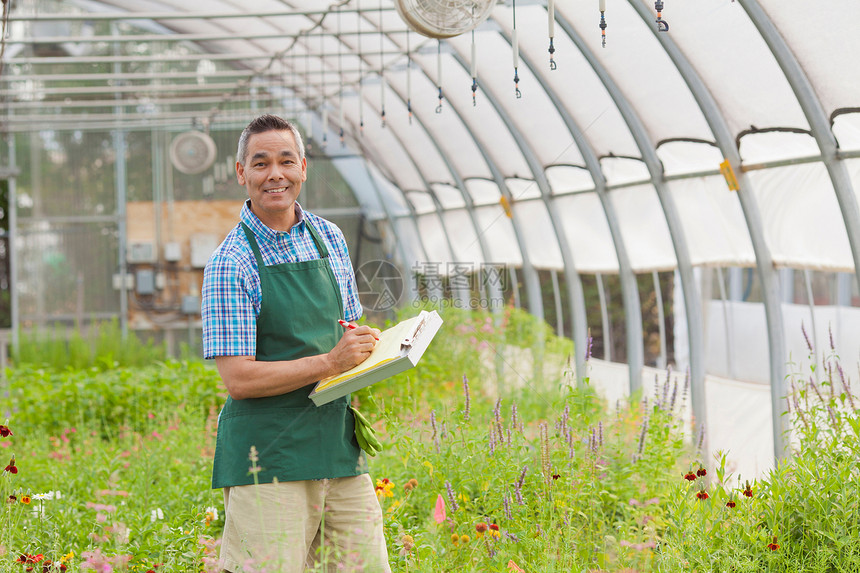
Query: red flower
11	467
690	476
731	504
748	491
702	495
701	472
494	527
12	499
5	432
27	558
555	476
773	546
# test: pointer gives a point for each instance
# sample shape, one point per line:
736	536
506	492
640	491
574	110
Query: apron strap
322	250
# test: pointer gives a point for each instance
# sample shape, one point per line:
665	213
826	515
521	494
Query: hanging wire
474	68
322	90
307	108
340	77
408	78
439	74
662	25
360	70
603	23
4	23
381	69
516	45
550	12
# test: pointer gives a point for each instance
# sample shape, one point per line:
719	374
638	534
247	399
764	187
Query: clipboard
399	349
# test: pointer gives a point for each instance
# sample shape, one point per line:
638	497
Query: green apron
295	440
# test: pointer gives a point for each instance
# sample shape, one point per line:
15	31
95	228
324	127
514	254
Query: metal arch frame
629	288
460	184
532	282
411	216
818	122
767	273
438	207
573	281
693	307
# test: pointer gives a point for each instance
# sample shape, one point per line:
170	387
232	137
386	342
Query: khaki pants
334	524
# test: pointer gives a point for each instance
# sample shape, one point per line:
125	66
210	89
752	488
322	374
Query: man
296	488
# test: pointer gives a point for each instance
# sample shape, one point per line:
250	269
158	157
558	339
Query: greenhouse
642	216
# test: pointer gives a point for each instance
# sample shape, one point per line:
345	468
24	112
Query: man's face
273	174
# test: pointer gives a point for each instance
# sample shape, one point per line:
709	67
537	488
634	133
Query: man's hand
353	348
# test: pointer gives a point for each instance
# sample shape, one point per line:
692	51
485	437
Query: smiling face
273	174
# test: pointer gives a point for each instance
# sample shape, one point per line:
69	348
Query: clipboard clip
408	340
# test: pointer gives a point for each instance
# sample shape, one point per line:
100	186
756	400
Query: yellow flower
25	499
384	487
464	539
455	538
67	557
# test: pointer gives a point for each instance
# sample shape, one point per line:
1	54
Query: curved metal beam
629	287
531	278
573	280
438	207
767	274
495	292
460	184
818	122
693	307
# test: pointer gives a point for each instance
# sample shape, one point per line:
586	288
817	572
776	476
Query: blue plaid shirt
231	282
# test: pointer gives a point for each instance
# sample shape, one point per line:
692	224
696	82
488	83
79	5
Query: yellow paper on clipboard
399	348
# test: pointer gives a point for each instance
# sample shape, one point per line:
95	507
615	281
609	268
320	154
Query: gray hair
263	124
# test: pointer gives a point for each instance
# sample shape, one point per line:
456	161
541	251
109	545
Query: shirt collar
261	230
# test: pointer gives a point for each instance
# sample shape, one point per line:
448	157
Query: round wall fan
443	18
192	152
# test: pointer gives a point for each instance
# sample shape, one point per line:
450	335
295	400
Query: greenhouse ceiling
717	133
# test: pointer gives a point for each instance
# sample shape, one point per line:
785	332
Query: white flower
212	513
47	496
156	514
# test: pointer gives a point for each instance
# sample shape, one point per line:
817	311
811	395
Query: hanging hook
383	117
474	91
602	29
551	51
517	91
439	107
662	25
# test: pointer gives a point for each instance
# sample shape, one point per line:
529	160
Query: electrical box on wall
144	281
172	252
141	253
190	304
202	246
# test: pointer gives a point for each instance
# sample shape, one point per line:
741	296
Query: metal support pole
728	324
121	182
661	320
13	245
556	295
604	316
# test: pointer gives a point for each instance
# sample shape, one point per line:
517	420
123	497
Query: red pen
350	326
